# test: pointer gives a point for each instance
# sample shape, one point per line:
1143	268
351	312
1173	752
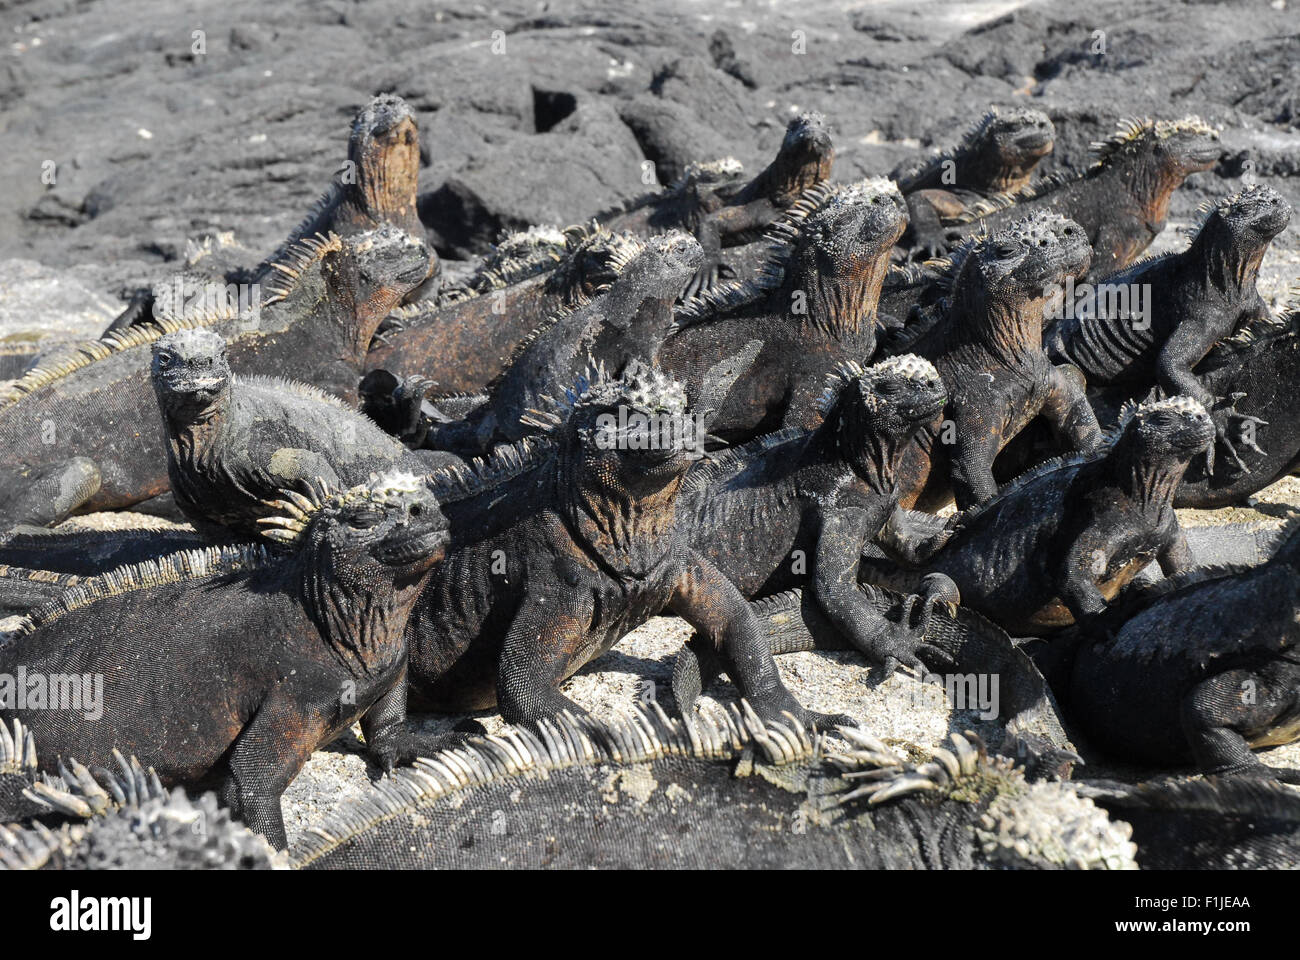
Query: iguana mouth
431	546
1034	141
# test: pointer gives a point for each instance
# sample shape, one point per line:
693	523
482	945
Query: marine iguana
650	792
374	188
1056	545
797	507
712	203
627	321
1199	668
233	442
988	349
1254	369
271	658
571	545
115	819
96	404
1122	200
814	308
996	156
1190	301
462	345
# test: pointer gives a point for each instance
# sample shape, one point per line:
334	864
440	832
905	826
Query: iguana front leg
841	535
1177	557
1068	410
1084	564
925	235
390	741
536	653
711	604
972	463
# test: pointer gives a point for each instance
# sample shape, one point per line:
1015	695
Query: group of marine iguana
408	489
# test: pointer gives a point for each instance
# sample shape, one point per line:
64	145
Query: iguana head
841	253
389	529
805	157
1173	430
1009	143
1170	149
876	410
1072	238
368	276
1249	219
385	150
1010	275
191	376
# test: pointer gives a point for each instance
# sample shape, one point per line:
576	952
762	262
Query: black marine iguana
814	309
797	507
1056	545
257	661
1199	668
571	545
1190	301
650	792
462	345
988	349
1122	200
94	410
711	202
996	156
233	442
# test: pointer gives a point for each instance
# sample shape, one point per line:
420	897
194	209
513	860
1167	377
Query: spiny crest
504	463
172	568
594	257
300	509
295	260
648	734
907	366
517	256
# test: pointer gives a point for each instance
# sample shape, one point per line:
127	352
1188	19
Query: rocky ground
132	128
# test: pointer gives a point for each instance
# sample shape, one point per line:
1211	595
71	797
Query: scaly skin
1192	300
258	662
988	349
1200	669
233	442
1123	200
102	409
1057	545
817	311
997	155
